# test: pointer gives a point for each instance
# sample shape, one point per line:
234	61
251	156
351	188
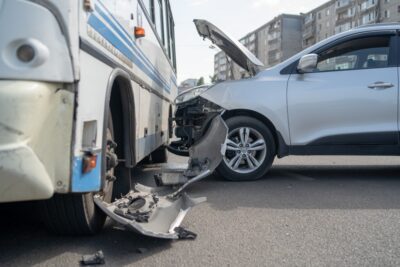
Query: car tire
160	155
251	150
77	214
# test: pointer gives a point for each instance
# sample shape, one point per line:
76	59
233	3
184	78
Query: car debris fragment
159	211
94	259
185	234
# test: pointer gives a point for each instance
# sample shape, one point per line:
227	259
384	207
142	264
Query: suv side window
361	53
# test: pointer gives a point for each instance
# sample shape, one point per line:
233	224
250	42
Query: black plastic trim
397	50
282	149
354	36
382	138
290	69
340	149
346	150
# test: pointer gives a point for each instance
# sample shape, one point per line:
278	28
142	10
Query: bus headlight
191	93
25	53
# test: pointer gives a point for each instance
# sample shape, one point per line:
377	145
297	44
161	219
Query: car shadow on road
309	187
24	242
23	238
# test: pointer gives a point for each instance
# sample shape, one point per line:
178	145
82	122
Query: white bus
83	85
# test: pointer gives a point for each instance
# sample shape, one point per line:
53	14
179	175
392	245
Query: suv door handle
380	85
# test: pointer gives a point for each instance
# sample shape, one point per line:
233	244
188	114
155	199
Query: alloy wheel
246	150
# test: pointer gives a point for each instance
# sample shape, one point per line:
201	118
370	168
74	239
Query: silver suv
338	97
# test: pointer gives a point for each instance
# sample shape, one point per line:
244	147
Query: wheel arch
282	148
121	102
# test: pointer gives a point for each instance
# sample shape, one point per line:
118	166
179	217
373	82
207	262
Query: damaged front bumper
158	212
192	119
36	120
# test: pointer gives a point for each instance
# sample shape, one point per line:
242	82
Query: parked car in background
338	97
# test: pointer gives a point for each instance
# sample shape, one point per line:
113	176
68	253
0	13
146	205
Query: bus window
165	24
172	41
168	35
158	18
149	6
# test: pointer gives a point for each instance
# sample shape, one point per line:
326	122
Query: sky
195	58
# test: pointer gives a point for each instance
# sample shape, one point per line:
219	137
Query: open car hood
233	48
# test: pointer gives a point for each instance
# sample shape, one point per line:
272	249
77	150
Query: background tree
213	78
200	81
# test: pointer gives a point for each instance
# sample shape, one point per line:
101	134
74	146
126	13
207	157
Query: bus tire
123	184
160	155
77	214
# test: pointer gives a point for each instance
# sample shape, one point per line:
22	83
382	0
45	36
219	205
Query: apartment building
390	10
221	68
286	34
337	16
279	39
319	24
272	43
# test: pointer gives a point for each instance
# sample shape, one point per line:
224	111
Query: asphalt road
310	211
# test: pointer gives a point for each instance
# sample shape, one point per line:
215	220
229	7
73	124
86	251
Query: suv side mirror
307	63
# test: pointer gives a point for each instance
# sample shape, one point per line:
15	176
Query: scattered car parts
159	211
192	117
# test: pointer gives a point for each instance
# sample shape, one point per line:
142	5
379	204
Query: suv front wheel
250	150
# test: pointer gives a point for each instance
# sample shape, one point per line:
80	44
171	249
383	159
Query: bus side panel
108	42
90	111
157	119
150	64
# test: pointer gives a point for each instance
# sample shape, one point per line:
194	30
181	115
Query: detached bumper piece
151	212
158	212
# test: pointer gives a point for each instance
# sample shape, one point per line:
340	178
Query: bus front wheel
77	214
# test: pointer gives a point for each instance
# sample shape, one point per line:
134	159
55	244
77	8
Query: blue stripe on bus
117	29
127	38
112	16
129	41
174	80
100	27
114	22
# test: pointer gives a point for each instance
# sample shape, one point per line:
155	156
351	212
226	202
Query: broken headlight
191	93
